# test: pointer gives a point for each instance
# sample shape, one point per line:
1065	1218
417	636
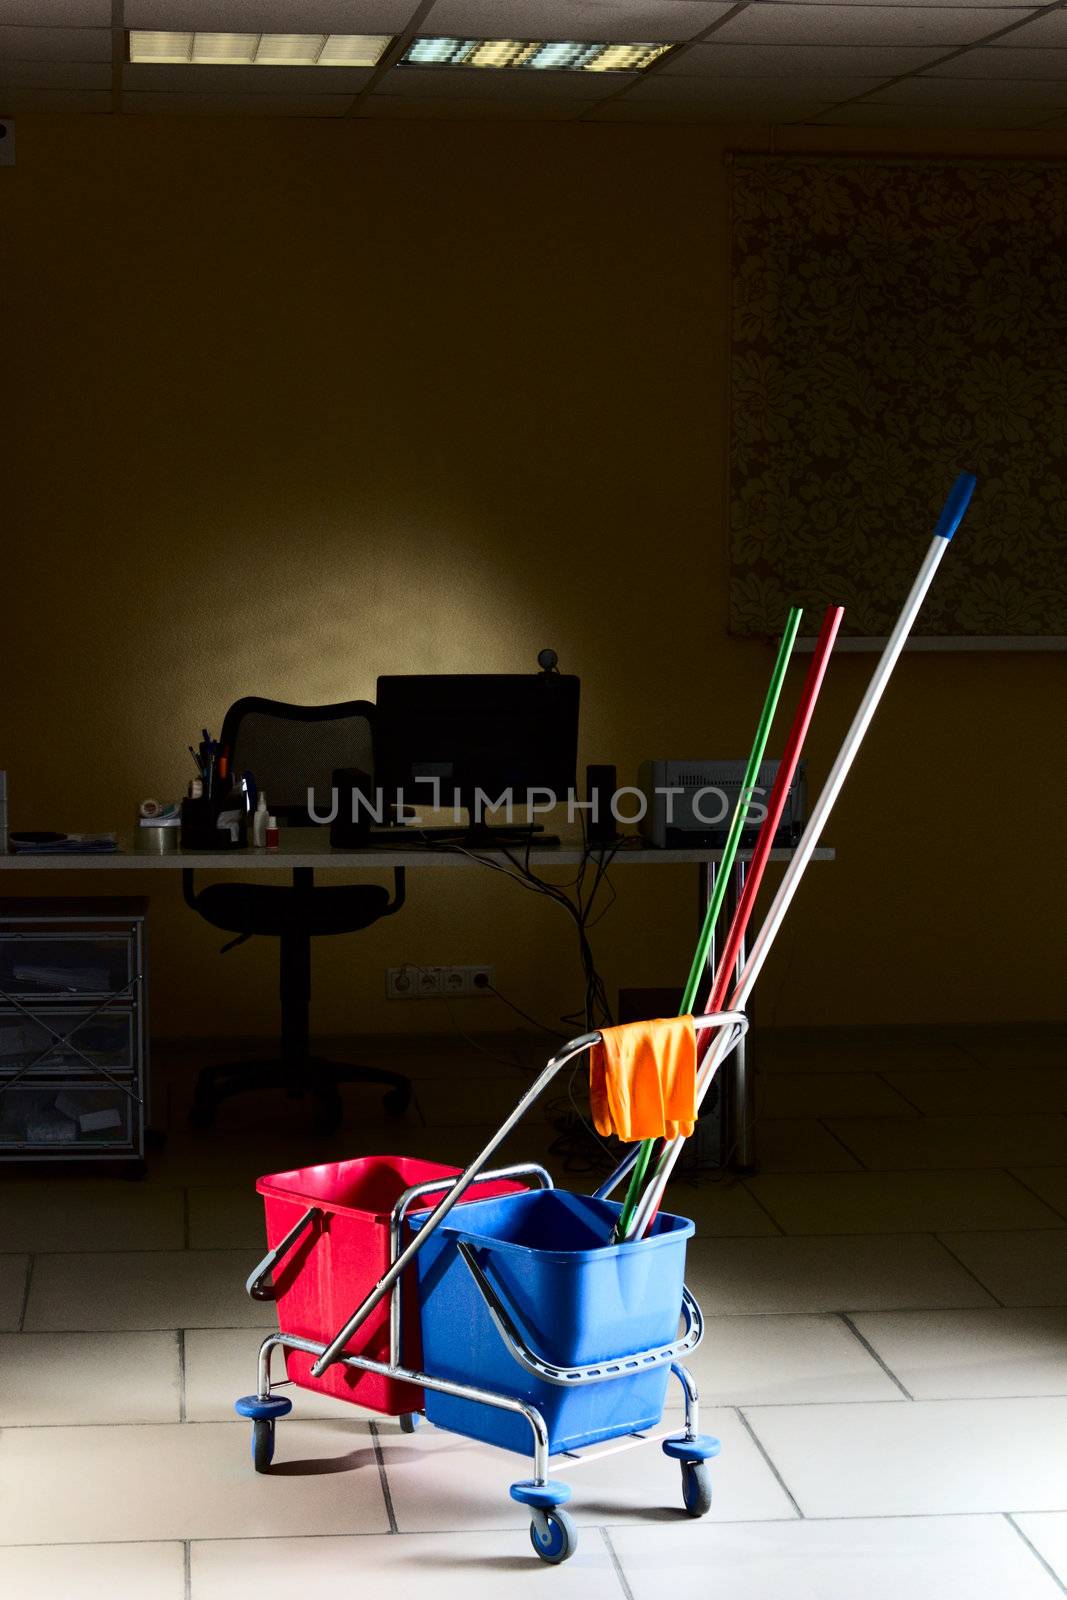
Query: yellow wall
292	404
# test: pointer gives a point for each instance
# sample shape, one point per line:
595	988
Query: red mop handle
783	780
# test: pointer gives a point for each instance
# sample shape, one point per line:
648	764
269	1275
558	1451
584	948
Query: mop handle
711	915
949	520
783	782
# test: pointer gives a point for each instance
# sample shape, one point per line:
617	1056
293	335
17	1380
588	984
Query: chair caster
396	1102
201	1113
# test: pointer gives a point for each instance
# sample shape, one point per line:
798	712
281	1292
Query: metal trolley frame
552	1532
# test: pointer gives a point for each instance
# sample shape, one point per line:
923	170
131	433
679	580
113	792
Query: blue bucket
576	1300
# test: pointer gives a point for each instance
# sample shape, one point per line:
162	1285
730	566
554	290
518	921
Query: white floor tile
150	1289
13	1270
922	1558
186	1481
51	1214
899	1202
58	1378
720	1210
910	1143
220	1364
887	1273
94	1571
439	1481
950	1355
856	1050
1047	1532
925	1458
800	1144
788	1360
1050	1183
1020	1269
476	1566
827	1094
976	1089
227	1219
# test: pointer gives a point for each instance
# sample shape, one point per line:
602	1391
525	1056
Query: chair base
314	1075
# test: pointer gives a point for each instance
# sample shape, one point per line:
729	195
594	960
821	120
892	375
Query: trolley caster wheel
409	1421
696	1488
396	1102
553	1535
263	1444
262	1414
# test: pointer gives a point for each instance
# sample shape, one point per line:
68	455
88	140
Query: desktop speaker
600	784
350	828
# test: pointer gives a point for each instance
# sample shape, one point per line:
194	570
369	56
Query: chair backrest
290	749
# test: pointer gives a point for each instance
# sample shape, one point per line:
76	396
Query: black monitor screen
477	731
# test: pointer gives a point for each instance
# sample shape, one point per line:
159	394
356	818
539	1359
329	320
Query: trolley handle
257	1286
623	1366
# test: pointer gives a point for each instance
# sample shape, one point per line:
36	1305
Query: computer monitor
493	733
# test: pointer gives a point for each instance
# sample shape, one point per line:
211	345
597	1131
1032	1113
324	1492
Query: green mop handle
722	879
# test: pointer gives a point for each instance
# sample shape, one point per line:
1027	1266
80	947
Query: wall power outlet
412	982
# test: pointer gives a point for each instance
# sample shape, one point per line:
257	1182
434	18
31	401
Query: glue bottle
259	822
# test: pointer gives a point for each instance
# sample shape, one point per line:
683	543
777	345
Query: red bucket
340	1258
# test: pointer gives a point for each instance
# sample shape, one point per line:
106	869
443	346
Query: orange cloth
643	1079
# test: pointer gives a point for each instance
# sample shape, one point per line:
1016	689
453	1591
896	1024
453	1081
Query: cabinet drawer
60	1120
43	964
107	1040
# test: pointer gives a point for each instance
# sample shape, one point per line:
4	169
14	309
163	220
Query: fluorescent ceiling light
259	49
560	55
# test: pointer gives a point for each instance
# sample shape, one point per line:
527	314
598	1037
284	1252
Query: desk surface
300	848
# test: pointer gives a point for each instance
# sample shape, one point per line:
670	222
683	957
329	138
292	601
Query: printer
689	804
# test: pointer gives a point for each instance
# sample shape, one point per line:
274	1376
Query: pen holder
201	829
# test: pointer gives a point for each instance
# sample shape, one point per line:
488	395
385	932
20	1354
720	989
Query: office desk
303	849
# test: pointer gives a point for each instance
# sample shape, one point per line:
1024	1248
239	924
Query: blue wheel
696	1488
263	1444
553	1535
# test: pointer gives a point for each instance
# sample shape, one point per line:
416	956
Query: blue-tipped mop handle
959	498
947	523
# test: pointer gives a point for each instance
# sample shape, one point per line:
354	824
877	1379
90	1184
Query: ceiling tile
55	75
1038	33
400	108
998	63
870	116
473	83
239	81
56	13
802	60
771	23
236	105
619	21
778	114
271	16
1005	94
55	44
740	92
62	101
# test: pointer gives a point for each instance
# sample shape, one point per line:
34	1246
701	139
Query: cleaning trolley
504	1313
531	1316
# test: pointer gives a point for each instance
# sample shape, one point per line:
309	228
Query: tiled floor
885	1359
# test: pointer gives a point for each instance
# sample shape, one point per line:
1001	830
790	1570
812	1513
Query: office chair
289	749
